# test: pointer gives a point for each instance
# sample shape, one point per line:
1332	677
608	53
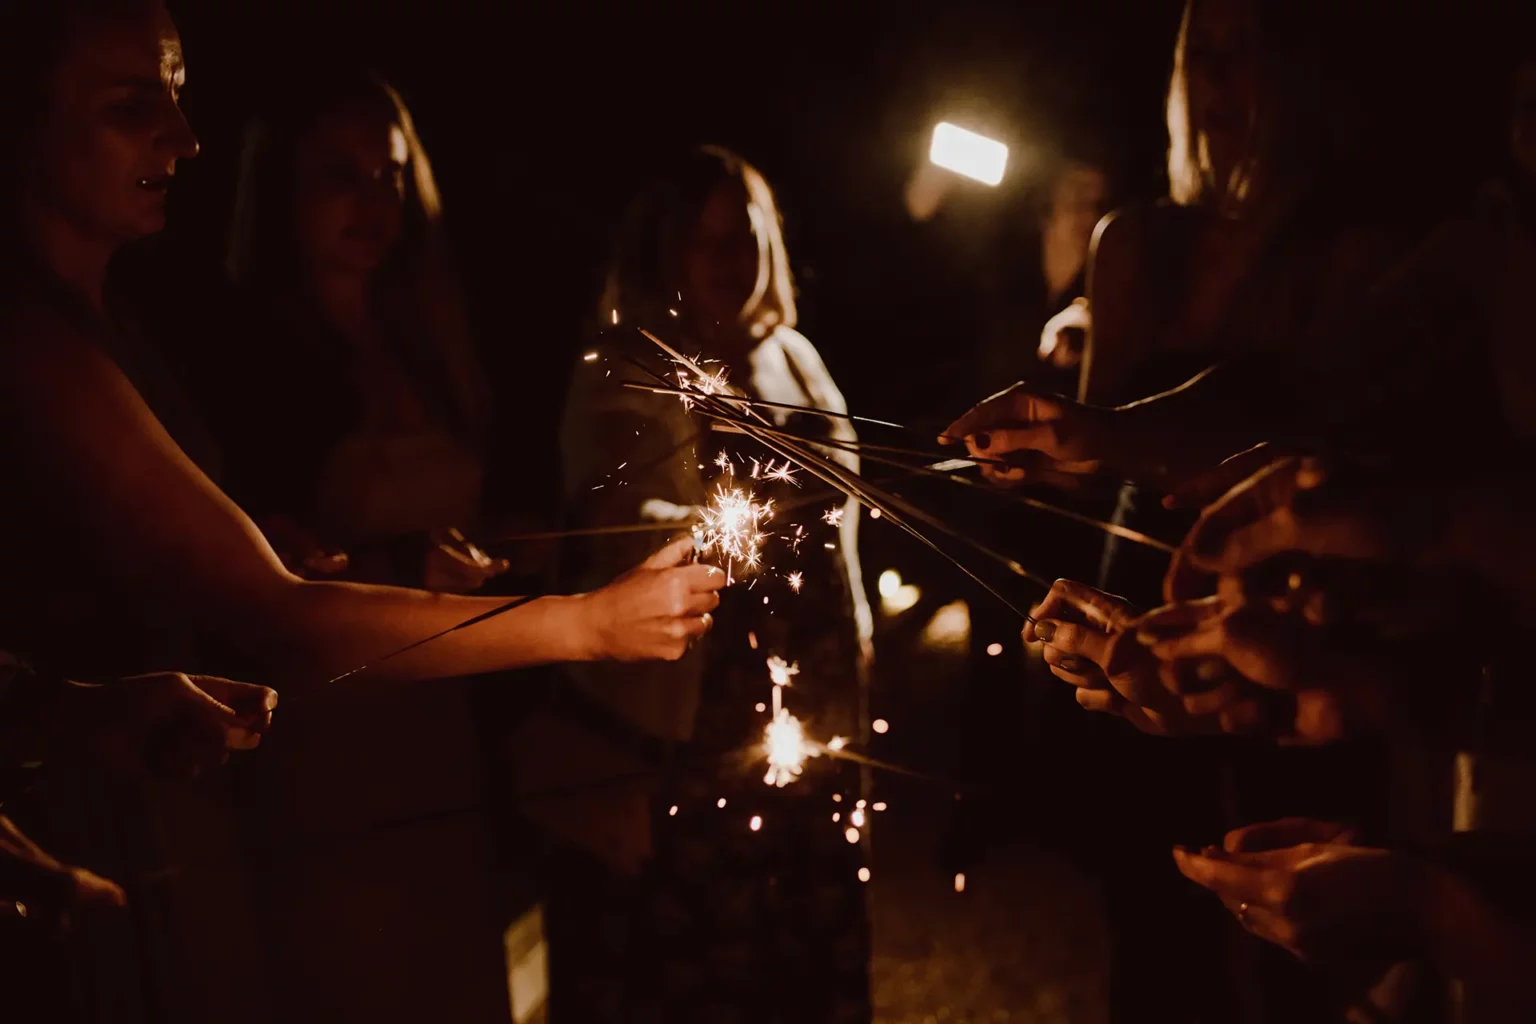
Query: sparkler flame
781	671
732	527
834	516
787	749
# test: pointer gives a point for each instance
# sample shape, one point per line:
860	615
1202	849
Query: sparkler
731	527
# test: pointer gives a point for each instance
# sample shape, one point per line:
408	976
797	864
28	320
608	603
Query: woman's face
724	255
350	191
113	133
1222	70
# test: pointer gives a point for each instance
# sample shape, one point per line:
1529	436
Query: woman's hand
1322	898
165	723
300	551
1044	437
455	566
1261	670
655	610
41	888
1063	336
1087	644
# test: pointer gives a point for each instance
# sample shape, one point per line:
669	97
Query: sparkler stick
762	403
848	483
516	602
585	531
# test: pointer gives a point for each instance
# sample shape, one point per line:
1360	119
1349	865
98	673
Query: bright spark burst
833	516
732	528
787	749
796	581
837	743
724	462
781	671
784	474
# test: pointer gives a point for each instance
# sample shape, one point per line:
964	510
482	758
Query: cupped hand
454	565
1087	644
657	609
166	723
42	888
1327	900
1063	337
1042	437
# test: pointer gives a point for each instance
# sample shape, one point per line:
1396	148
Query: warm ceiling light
964	152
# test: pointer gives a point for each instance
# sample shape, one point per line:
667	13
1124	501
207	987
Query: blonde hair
642	281
1290	133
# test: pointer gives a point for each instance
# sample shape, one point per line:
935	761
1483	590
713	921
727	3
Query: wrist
585	627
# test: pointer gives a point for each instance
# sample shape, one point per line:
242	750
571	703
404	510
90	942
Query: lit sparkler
796	581
834	516
787	749
732	527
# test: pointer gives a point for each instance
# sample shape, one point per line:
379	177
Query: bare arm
1115	335
155	523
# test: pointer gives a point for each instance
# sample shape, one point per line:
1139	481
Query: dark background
543	121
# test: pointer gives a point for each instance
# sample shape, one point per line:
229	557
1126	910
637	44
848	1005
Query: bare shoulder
46	356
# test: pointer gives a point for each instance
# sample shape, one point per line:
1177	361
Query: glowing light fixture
966	153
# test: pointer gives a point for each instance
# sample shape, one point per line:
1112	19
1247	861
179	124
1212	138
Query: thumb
673	554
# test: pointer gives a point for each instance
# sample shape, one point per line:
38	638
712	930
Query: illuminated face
1523	123
1222	70
726	259
350	191
113	131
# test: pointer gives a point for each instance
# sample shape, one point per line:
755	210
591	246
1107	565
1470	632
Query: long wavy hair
643	278
1291	131
416	291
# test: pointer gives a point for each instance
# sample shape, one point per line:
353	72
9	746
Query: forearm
317	630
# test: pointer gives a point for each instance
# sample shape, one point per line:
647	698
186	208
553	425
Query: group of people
1255	377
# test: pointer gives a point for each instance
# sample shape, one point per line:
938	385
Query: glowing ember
720	802
785	744
756	822
863	874
672	811
837	743
837	798
857	818
852	835
837	816
732	528
833	516
874	513
615	317
796	581
880	805
724	462
960	882
993	650
880	725
590	357
761	707
783	474
781	671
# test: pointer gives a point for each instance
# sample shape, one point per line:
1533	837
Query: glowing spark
752	640
833	516
879	805
837	743
857	818
960	882
784	474
720	802
796	580
761	707
732	527
615	317
781	671
672	811
672	311
756	822
837	816
880	725
860	804
724	462
756	469
837	798
590	357
863	874
993	650
874	513
852	835
785	744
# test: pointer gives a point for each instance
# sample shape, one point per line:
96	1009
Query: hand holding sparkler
1090	643
1047	438
656	609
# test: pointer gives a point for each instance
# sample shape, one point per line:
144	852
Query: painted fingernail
1071	664
982	440
1045	630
